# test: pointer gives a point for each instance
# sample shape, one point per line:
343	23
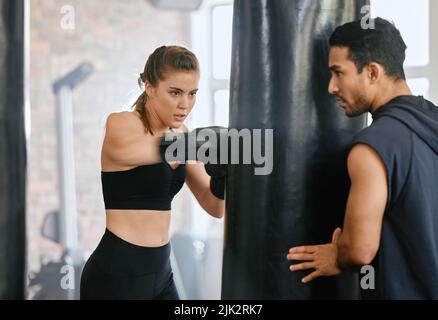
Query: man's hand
322	258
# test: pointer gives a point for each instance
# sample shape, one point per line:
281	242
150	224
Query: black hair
382	44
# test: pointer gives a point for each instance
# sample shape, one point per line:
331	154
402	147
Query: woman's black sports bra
146	187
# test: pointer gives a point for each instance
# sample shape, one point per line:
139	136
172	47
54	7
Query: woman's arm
199	183
125	144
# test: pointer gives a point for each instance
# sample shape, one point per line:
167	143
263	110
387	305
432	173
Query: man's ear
375	72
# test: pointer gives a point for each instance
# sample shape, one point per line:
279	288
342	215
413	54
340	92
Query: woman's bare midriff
147	228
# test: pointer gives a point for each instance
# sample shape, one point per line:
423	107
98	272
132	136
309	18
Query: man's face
351	88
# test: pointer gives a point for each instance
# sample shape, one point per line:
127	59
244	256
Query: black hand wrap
218	174
205	141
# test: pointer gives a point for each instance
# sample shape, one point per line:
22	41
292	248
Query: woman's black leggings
118	269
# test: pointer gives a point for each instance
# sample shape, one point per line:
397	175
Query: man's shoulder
385	129
388	136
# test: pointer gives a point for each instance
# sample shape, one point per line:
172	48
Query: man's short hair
382	44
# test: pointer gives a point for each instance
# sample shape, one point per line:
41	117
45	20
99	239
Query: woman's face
173	98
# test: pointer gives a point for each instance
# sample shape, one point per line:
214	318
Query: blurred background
84	59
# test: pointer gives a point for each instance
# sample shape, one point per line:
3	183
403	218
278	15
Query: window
222	23
211	40
211	33
412	18
221	99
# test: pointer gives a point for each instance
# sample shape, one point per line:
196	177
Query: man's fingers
315	274
302	266
300	256
302	249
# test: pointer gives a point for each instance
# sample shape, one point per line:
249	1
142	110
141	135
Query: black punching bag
279	81
12	151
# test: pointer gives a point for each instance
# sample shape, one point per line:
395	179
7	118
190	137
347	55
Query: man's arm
358	243
366	205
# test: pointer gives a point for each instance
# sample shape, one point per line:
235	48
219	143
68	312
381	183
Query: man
391	218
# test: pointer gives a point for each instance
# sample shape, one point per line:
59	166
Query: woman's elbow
220	214
218	211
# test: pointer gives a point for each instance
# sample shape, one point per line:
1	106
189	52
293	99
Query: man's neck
389	92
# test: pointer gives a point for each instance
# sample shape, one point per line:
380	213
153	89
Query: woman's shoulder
128	120
123	126
122	117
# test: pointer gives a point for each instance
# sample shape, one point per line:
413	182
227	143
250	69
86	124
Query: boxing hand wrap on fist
202	144
218	174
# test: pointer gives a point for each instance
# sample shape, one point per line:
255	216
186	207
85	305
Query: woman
132	258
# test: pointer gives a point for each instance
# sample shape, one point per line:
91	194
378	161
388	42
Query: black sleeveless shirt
405	135
146	187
